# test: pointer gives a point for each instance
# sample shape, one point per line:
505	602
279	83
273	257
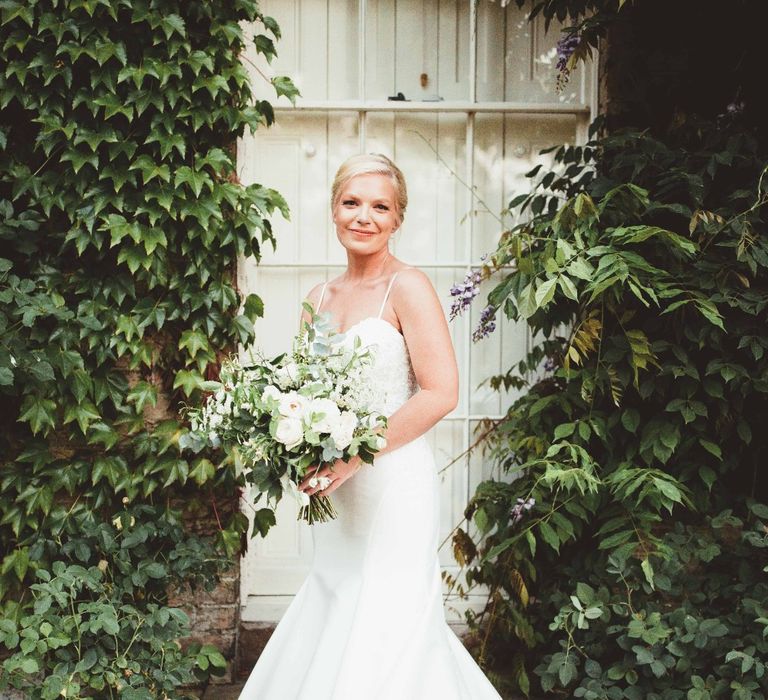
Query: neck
363	267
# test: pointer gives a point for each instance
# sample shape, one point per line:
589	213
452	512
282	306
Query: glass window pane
516	59
430	149
319	49
419	48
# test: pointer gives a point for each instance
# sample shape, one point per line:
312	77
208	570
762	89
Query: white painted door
480	86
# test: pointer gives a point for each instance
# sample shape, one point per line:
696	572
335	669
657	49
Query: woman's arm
434	363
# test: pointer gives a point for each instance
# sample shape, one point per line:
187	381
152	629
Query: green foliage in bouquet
284	417
121	218
641	269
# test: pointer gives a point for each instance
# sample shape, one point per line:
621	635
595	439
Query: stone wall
214	616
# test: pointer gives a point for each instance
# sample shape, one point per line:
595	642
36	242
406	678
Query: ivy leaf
265	46
188	380
171	24
253	307
193	341
39	412
83	412
195	180
263	519
284	87
41	370
153	237
143	394
202	471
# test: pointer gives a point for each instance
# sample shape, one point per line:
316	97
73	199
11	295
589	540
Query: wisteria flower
521	507
465	292
566	45
487	324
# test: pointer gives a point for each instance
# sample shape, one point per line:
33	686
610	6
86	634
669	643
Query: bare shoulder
414	296
413	285
314	294
313	297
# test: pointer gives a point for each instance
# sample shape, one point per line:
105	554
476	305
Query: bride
368	622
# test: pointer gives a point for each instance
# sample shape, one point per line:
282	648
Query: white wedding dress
368	621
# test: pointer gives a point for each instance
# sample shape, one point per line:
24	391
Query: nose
362	213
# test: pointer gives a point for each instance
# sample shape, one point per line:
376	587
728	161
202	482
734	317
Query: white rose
289	432
328	415
381	442
292	405
342	434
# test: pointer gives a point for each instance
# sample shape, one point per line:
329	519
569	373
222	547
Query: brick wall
214	616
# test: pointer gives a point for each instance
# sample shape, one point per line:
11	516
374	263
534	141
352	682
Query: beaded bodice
390	373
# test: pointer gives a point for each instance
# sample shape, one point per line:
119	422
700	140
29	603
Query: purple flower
566	45
487	324
549	365
464	293
518	510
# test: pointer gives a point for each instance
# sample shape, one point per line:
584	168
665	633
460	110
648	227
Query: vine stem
761	200
471	447
455	174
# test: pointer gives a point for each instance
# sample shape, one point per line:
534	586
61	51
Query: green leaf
568	287
647	568
143	394
711	447
549	535
29	665
202	471
263	520
39	412
545	292
253	307
188	380
193	341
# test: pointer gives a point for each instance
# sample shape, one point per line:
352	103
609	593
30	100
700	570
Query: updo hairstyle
371	164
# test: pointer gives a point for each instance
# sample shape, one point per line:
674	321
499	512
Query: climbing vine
626	546
121	219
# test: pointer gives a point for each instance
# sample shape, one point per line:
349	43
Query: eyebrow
353	195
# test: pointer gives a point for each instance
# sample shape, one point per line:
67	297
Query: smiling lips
362	233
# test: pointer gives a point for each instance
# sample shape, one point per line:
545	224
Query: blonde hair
371	164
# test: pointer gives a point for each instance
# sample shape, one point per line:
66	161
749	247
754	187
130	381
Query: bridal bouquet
287	416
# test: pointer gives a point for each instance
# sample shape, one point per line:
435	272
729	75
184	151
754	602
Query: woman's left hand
338	473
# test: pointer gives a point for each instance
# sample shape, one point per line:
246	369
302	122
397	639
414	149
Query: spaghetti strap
320	300
386	295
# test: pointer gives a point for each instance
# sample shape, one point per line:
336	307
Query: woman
368	622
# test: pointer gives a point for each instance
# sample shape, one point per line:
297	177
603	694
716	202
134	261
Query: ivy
121	218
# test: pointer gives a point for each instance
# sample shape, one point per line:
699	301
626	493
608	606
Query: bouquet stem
319	510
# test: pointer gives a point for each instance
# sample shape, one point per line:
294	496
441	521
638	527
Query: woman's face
366	213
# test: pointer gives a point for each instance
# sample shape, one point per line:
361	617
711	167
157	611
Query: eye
383	206
348	202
